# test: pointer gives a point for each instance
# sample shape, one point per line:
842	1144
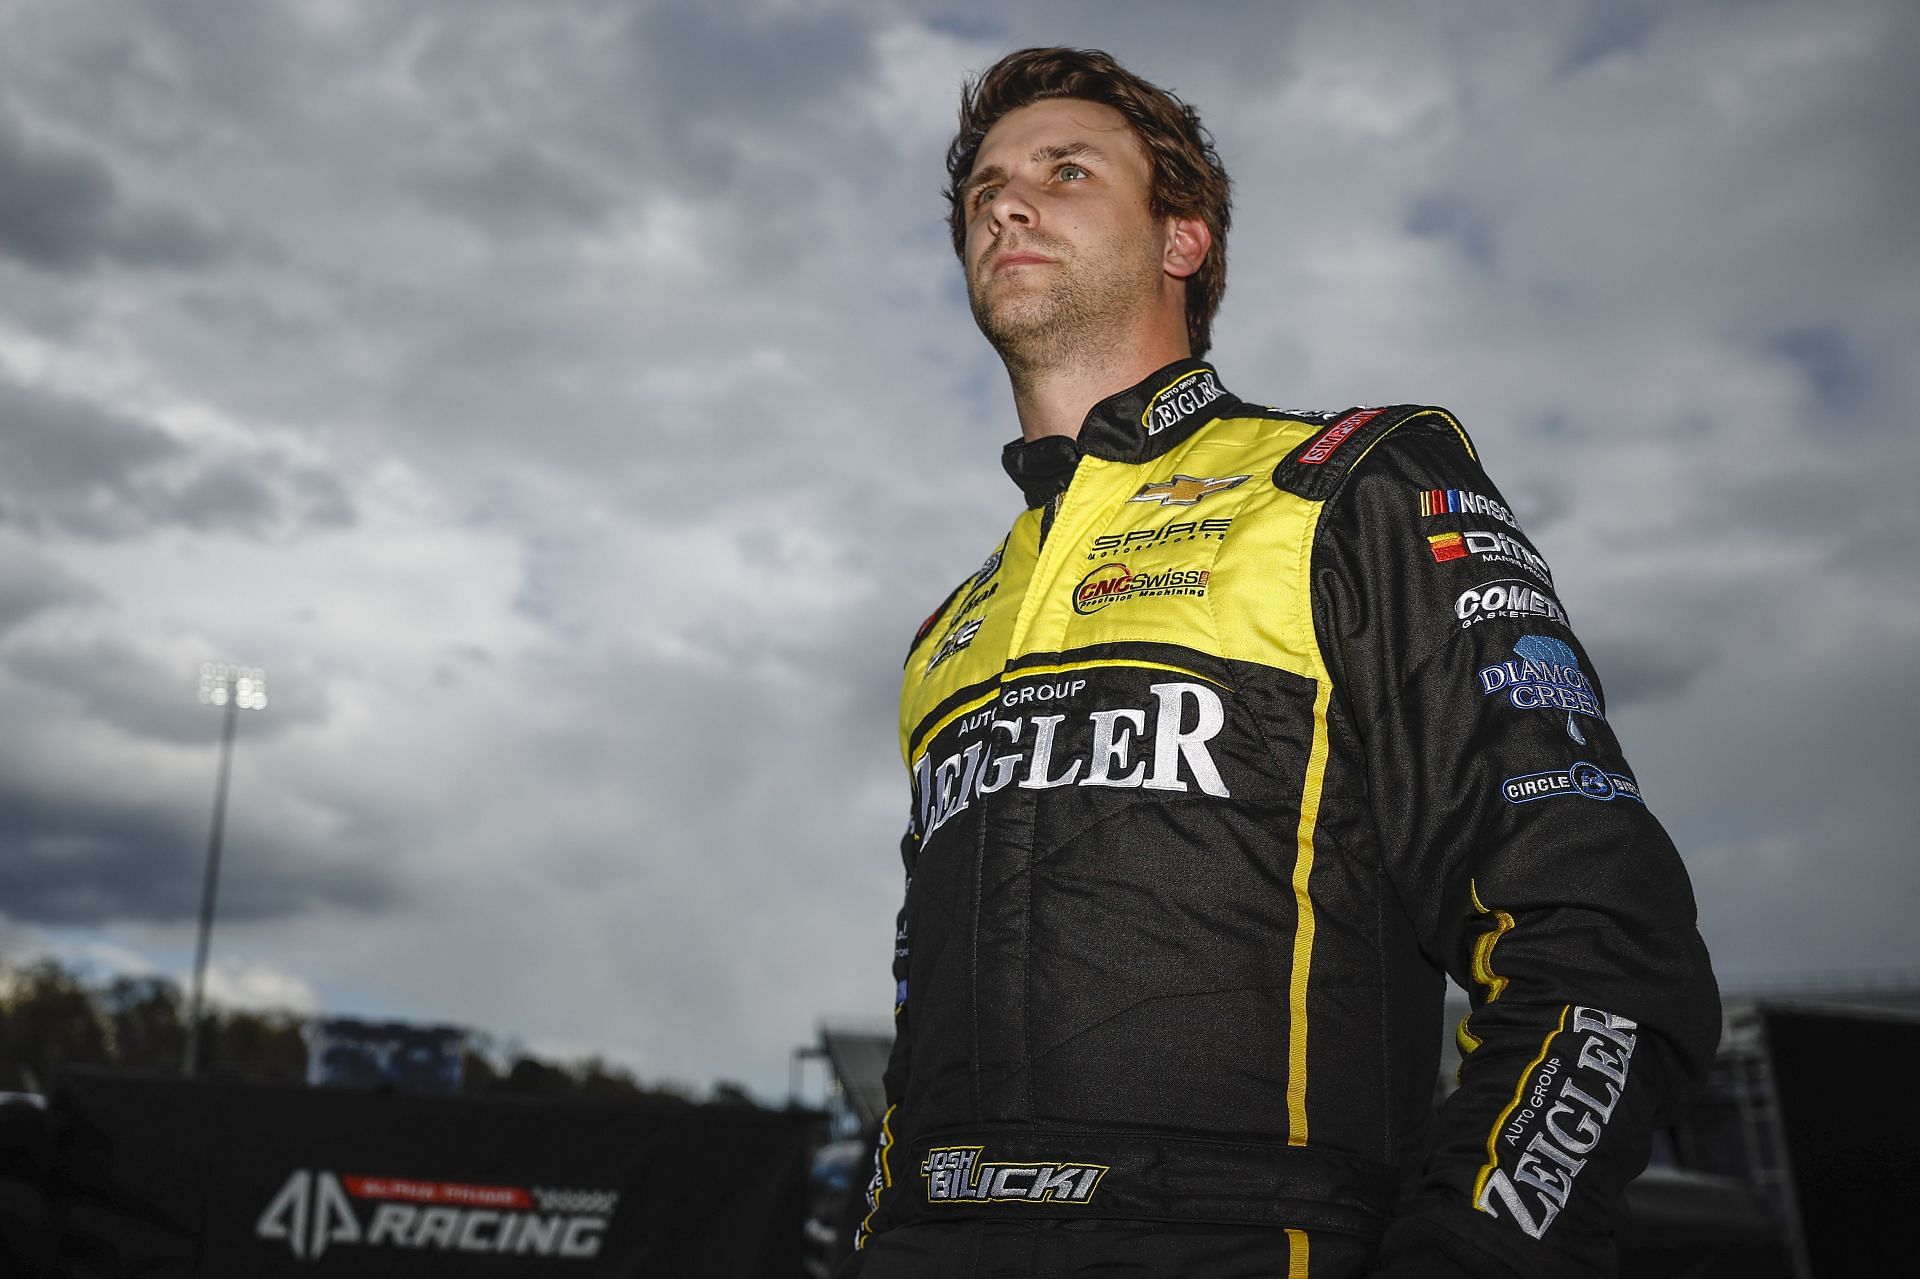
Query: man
1253	725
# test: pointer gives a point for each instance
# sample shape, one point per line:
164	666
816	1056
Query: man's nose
1010	206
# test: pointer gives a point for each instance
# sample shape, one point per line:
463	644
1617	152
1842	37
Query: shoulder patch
1321	463
926	627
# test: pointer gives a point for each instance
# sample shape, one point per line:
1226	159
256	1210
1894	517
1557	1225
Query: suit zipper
1047	513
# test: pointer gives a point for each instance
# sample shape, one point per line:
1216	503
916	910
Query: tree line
50	1017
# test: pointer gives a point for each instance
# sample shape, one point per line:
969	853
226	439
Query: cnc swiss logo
1186	490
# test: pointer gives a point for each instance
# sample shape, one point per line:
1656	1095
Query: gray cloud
87	857
606	413
1650	668
1598	31
79	469
139	694
1455	221
30	585
519	191
62	211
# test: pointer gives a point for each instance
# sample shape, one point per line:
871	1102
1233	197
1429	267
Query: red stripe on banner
1335	435
438	1192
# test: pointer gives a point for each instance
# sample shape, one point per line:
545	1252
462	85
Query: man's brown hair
1188	180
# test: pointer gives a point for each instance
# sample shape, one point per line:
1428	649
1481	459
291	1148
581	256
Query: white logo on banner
310	1212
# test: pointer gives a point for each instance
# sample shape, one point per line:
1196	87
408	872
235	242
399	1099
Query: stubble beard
1074	317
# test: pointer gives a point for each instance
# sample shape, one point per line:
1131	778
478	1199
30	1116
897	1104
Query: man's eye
1072	171
981	195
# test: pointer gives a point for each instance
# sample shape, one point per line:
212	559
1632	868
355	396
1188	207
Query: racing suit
1253	726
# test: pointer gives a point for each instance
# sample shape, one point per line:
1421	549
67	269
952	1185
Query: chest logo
1112	583
1186	490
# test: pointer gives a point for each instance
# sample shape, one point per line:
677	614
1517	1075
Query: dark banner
166	1178
1850	1117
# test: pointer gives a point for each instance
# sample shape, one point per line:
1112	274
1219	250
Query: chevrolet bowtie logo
1185	490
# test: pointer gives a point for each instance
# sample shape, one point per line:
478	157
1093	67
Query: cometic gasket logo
956	1174
1508	598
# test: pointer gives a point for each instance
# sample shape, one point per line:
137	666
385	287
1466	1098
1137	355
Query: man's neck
1055	400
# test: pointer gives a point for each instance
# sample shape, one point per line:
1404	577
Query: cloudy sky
555	397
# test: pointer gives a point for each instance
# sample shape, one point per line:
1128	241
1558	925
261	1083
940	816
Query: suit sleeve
880	1186
1523	855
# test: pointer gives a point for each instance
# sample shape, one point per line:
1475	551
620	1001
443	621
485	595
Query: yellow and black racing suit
1255	724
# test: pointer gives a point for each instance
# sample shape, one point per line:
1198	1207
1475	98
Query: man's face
1060	245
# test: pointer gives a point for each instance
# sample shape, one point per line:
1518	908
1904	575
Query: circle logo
1591	780
1102	587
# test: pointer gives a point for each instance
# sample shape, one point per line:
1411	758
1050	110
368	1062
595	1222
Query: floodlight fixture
222	683
230	688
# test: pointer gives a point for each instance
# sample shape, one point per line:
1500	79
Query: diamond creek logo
1186	490
315	1210
956	1174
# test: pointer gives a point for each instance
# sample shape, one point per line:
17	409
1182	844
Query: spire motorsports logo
1546	677
316	1210
1144	539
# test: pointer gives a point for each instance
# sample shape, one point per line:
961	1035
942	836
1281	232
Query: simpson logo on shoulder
1334	436
957	1174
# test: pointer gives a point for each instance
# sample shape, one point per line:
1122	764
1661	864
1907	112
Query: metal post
191	1065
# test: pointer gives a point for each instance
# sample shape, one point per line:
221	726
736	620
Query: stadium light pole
231	689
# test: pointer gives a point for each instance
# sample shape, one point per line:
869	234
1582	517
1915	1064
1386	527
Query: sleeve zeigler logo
1544	1138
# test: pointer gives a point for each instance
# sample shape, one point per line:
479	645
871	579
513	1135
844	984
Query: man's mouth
1020	257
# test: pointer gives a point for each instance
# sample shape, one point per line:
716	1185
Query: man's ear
1188	240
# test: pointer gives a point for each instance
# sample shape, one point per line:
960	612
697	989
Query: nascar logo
1460	501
